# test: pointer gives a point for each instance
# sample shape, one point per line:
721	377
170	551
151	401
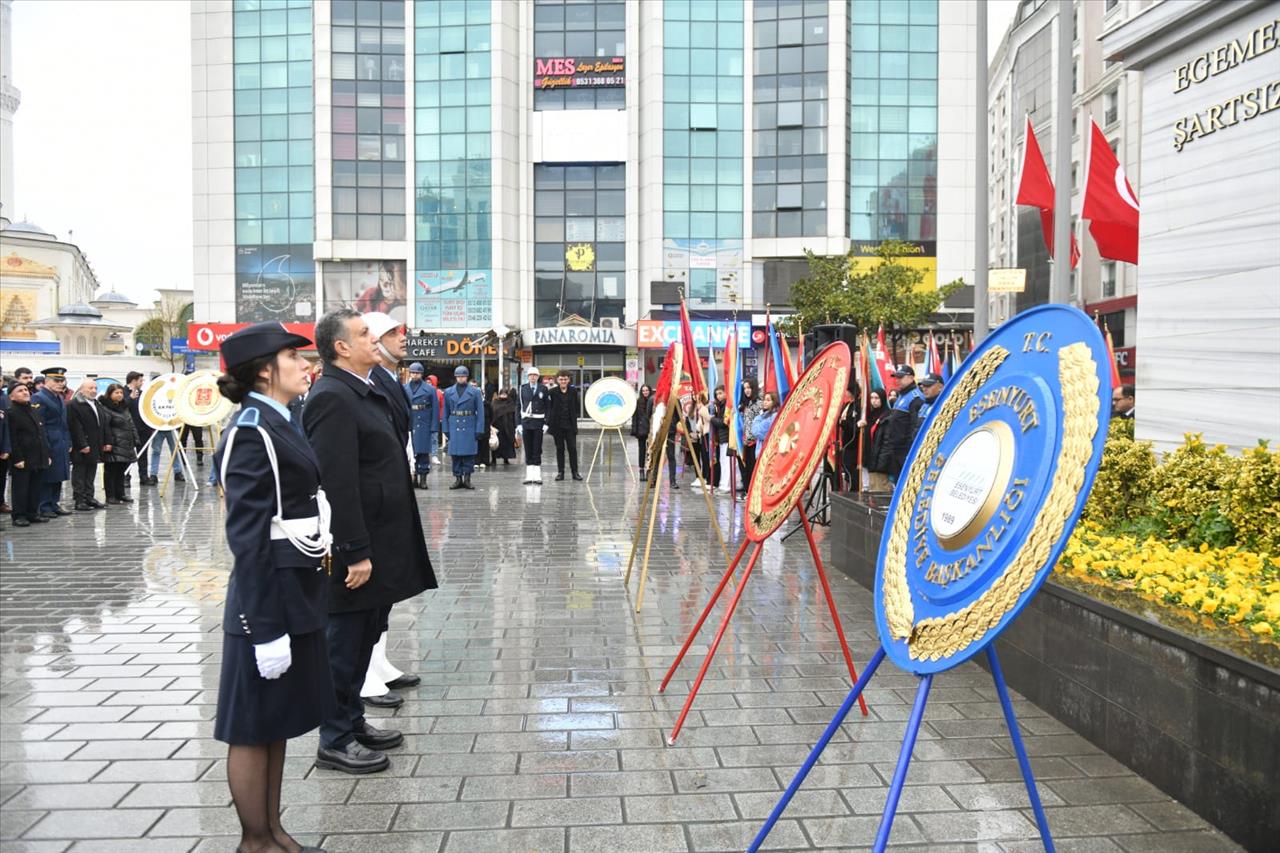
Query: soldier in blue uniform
535	403
425	407
463	426
53	410
275	681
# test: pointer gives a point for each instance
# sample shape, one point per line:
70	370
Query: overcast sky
102	141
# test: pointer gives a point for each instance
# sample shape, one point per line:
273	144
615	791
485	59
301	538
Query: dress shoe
457	484
124	499
97	504
83	507
379	738
177	475
60	511
21	522
113	501
559	477
5	508
675	485
386	700
578	477
39	519
406	680
352	758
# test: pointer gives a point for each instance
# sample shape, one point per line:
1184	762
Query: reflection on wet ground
538	724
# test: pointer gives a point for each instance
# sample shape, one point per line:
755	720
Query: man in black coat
379	551
899	425
563	421
133	395
85	419
390	347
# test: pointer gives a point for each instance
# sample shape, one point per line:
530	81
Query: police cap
258	340
54	373
416	367
461	370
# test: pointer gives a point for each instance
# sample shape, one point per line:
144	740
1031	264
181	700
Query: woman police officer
275	681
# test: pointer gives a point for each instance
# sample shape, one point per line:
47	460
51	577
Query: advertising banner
573	72
366	286
922	255
447	299
275	283
442	346
208	337
658	334
722	256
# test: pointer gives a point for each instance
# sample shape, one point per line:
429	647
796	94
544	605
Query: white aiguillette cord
313	545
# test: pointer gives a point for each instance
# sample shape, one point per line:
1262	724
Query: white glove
274	658
519	429
546	429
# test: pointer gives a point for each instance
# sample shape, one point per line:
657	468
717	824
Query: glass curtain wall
580	250
893	119
274	139
790	106
452	151
702	143
578	29
368	119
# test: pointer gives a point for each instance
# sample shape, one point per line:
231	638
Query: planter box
1201	724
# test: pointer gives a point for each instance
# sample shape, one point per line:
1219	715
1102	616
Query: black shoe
379	738
58	510
577	477
177	475
386	700
457	484
466	483
559	476
113	501
97	504
352	758
38	519
124	499
21	522
406	680
675	485
83	507
199	461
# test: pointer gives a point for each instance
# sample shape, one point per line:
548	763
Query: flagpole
1060	286
981	182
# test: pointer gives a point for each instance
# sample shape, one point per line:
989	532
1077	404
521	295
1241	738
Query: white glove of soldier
274	658
546	428
519	429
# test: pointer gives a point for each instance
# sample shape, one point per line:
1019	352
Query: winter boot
457	484
466	483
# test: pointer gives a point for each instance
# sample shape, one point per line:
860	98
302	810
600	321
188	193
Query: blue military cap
258	340
54	373
461	370
416	367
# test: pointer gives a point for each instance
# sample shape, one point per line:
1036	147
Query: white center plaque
966	482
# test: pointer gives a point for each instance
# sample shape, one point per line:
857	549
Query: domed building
82	330
39	276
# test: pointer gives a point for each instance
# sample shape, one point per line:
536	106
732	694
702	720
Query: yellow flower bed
1229	586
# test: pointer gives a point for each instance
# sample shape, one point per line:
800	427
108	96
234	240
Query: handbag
493	438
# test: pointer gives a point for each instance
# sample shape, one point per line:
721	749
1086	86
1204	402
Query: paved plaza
538	725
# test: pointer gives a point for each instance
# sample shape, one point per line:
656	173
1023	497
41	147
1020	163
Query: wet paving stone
539	724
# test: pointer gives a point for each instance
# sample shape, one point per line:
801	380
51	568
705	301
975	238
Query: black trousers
83	473
352	637
747	462
533	441
142	455
4	477
643	445
25	500
113	479
673	457
564	442
196	433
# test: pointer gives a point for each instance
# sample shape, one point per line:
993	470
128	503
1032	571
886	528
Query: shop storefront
587	353
710	330
441	353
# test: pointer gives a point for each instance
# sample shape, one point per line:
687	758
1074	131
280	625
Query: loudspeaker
821	336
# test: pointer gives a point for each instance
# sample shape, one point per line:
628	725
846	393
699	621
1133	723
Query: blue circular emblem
992	488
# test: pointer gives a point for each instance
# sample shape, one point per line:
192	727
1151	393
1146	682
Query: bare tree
166	321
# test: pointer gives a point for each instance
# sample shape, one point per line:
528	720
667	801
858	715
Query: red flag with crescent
1109	202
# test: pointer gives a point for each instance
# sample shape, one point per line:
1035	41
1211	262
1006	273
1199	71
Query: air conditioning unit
610	323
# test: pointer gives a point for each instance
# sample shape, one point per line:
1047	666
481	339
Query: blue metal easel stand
904	757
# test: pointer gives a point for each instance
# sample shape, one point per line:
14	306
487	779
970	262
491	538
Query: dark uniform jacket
86	430
424	409
274	588
53	411
366	475
534	400
27	442
899	426
563	415
394	392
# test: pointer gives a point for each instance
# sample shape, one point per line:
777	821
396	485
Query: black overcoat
27	441
394	392
563	417
86	430
365	472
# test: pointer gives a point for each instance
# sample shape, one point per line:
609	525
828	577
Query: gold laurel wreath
940	637
794	483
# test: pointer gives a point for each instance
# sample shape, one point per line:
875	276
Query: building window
1075	171
1075	77
576	29
1108	279
893	120
580	250
368	116
1111	6
1110	107
453	172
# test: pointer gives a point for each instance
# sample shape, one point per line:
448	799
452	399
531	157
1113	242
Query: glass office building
476	164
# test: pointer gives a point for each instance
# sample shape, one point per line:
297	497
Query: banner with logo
275	283
574	72
447	299
659	334
208	337
442	346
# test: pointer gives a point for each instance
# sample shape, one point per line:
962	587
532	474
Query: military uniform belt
417	407
463	414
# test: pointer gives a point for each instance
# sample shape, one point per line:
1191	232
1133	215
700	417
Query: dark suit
28	446
563	420
394	392
140	427
274	588
86	422
365	471
535	402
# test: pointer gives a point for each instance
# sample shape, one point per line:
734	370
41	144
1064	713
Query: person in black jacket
379	550
133	394
563	421
28	456
85	419
534	401
274	683
641	422
873	445
900	423
120	439
391	347
720	466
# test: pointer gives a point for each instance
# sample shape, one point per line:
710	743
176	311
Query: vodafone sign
208	337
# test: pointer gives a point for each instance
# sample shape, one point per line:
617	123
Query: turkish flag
1035	189
1109	202
690	350
884	362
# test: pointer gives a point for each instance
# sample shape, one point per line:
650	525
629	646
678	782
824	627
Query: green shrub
1124	480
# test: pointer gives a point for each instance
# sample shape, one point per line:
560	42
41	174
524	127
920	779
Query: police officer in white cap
535	403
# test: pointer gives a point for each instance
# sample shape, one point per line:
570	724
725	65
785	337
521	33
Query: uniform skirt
254	710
